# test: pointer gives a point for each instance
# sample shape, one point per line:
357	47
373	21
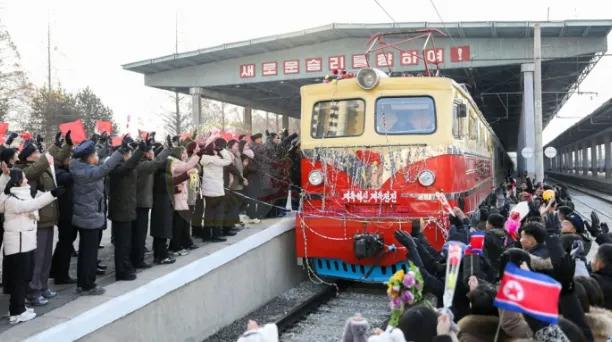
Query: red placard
359	61
409	57
3	129
336	62
116	141
314	64
269	69
77	131
104	126
384	59
434	56
291	66
247	70
460	54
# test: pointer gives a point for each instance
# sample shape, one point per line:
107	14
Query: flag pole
501	316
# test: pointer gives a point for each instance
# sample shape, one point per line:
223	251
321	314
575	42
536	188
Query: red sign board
409	57
460	54
434	56
336	62
247	70
314	64
291	66
360	61
269	69
384	59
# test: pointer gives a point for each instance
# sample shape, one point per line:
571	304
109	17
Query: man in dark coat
122	210
602	272
258	176
38	170
60	264
146	169
162	211
89	208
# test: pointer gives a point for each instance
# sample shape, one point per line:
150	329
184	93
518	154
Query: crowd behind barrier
206	187
522	275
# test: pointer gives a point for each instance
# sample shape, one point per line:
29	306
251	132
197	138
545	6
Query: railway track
586	200
322	318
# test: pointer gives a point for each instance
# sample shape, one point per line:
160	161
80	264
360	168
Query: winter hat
576	222
268	333
355	329
84	149
256	136
28	149
8	154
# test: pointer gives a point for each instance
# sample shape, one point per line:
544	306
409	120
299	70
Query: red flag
104	126
476	244
116	141
77	131
3	129
143	134
530	293
25	135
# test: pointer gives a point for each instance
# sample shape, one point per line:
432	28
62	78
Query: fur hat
356	329
576	222
256	136
7	154
28	149
84	149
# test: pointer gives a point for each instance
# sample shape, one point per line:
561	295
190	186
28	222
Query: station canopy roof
266	73
595	125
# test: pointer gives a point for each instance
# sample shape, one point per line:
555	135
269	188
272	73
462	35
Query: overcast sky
92	39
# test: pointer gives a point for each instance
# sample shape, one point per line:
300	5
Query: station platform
188	300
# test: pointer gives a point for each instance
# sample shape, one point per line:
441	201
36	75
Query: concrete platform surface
70	317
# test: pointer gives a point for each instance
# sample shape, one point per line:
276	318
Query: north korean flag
531	293
476	244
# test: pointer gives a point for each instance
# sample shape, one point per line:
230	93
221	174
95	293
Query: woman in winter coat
181	222
215	157
234	183
20	224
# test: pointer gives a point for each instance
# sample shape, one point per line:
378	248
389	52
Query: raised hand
11	138
69	138
58	139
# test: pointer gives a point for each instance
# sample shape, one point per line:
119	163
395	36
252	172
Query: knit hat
84	149
7	154
355	329
576	222
27	150
256	136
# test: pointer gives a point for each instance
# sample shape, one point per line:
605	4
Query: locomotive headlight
315	177
368	78
427	178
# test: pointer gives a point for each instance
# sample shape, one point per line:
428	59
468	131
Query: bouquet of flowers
404	288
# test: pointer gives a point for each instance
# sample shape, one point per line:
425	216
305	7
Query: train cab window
341	118
405	115
458	122
473	127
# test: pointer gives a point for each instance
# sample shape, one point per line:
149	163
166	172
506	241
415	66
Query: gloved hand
58	139
169	141
595	220
604	228
69	138
125	144
552	223
407	241
176	139
60	190
142	145
104	137
95	138
11	138
39	143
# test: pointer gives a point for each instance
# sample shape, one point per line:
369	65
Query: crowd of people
193	186
532	226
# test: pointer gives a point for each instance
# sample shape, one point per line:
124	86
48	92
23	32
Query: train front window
339	118
405	115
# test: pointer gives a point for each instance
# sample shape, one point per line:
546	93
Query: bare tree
15	89
177	121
